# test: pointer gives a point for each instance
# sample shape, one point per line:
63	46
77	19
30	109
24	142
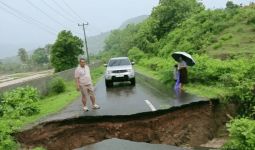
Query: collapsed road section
189	125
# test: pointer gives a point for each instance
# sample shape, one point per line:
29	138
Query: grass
211	92
239	42
145	71
52	104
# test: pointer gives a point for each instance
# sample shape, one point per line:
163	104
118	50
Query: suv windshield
119	62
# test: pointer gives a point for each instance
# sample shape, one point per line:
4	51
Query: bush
7	142
237	75
135	54
15	104
253	28
226	37
20	101
217	45
162	65
57	85
240	29
242	135
251	20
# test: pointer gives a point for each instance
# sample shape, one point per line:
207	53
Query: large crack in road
191	125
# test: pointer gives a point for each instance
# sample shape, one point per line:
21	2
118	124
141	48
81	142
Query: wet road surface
117	144
124	99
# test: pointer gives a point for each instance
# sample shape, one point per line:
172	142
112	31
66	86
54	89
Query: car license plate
119	75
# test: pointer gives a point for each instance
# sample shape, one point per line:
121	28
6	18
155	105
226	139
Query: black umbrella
185	56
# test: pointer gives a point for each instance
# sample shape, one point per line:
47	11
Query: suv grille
119	71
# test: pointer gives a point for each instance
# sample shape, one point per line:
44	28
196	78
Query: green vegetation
23	55
96	43
25	62
242	135
65	51
57	85
15	105
134	21
40	56
23	106
147	72
221	41
53	103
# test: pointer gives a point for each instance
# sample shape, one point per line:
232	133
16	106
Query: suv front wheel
132	81
108	83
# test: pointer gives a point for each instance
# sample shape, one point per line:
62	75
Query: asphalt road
117	144
124	99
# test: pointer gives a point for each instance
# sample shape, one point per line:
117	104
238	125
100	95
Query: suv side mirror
105	65
133	63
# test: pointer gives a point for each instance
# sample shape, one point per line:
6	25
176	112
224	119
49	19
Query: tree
40	56
23	55
65	51
48	48
231	5
170	13
121	41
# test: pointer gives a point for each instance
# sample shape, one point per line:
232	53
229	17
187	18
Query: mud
189	125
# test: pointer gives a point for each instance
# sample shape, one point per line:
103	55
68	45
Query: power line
57	12
77	15
13	14
27	18
70	8
38	8
63	9
56	21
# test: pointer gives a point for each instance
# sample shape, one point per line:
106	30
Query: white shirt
182	64
83	75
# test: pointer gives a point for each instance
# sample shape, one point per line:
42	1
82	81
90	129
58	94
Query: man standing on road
84	84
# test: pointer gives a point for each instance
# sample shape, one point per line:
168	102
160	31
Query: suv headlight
130	70
108	72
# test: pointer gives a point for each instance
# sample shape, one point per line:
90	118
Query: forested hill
135	20
96	43
187	26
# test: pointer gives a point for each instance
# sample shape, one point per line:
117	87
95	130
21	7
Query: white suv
119	69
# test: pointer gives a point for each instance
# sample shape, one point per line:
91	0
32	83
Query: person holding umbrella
184	59
183	72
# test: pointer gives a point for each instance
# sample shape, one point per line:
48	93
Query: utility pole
85	39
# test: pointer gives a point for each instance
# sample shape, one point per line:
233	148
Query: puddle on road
190	125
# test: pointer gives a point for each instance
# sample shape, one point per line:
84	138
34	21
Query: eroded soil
190	125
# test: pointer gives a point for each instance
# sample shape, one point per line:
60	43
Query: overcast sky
34	23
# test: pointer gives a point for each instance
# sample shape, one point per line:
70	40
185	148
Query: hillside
222	33
96	43
236	40
135	20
